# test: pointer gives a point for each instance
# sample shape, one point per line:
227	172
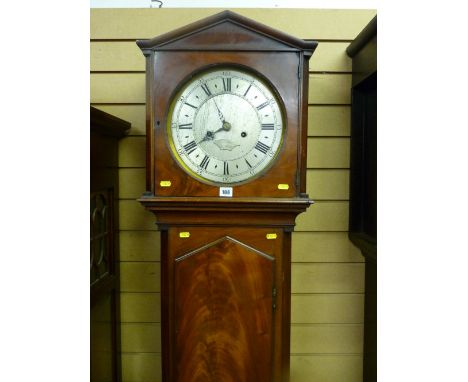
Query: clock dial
225	126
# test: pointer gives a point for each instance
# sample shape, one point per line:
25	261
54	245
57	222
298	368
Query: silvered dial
225	126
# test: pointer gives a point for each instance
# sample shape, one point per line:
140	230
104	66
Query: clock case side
230	39
149	121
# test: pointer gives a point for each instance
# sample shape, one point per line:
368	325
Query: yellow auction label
283	186
271	236
184	234
165	183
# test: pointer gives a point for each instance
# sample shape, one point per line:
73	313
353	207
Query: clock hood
226	31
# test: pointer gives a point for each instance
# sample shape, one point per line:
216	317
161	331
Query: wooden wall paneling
327	152
324	184
132	152
118	88
326	216
327	24
140	277
329	120
131	181
326	368
140	307
141	367
117	56
331	57
327	278
139	245
324	247
134	217
324	236
327	308
329	89
141	337
326	338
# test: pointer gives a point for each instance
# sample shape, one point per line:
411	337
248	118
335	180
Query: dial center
219	123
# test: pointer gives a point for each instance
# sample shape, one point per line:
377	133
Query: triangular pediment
226	31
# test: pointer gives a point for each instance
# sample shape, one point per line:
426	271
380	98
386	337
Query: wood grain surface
223	314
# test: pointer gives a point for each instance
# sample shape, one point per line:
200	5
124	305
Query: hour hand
209	136
226	127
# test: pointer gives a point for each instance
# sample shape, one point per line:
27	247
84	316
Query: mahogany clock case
227	39
226	262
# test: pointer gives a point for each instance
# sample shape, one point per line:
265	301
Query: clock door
223	313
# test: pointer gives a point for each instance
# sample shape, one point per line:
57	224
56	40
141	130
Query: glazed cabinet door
223	295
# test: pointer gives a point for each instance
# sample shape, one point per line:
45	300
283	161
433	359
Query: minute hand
226	125
221	116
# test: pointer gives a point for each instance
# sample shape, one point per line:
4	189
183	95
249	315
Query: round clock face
225	126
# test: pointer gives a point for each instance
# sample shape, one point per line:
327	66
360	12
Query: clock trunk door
223	306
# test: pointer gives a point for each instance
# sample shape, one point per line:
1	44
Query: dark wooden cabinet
104	271
225	261
363	179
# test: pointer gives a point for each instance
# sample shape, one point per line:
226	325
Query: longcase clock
226	160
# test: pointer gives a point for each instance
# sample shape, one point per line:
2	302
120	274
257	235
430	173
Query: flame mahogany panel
218	304
223	313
